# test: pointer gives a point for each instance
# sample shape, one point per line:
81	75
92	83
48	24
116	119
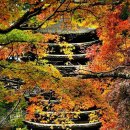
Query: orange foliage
111	33
75	94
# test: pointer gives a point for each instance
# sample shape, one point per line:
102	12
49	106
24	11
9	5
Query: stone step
73	62
74	51
77	48
71	66
81	126
75	112
74	44
70	69
77	117
51	101
61	57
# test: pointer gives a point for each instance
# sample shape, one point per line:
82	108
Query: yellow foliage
93	117
67	49
120	57
49	23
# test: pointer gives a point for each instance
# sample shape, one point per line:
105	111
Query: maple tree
20	21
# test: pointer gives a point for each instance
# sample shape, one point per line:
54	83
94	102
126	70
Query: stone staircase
82	121
68	68
79	43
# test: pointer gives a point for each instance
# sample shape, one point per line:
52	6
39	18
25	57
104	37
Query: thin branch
48	18
22	19
29	14
2	66
70	10
15	107
90	12
104	3
19	82
105	75
113	70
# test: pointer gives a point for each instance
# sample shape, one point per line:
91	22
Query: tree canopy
104	83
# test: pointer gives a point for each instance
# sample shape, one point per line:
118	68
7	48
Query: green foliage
4	107
17	117
20	36
2	90
24	128
17	122
31	73
23	103
125	13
